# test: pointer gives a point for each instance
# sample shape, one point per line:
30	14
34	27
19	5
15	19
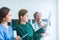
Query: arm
21	32
1	36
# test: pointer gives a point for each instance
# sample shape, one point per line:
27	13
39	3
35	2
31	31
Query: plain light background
59	19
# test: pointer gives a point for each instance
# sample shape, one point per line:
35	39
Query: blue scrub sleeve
1	36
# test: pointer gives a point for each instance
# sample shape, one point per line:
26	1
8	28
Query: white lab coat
37	27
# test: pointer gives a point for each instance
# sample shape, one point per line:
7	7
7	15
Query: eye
27	15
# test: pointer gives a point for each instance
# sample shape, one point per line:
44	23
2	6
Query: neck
22	22
5	24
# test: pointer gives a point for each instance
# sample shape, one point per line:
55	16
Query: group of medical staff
25	31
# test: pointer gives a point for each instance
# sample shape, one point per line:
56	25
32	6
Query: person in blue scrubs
6	32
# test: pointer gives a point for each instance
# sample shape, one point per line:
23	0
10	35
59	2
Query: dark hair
3	12
21	12
35	14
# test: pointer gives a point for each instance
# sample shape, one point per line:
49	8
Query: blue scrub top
6	34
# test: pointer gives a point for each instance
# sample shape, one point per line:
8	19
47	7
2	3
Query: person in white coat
38	26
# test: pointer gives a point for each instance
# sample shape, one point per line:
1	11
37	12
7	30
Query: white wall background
43	6
59	19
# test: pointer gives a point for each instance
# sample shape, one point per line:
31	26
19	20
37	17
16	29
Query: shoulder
1	27
18	27
10	28
29	24
34	24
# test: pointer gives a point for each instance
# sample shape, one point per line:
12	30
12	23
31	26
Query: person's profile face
25	17
8	17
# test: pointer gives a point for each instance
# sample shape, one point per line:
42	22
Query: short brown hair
3	12
35	14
